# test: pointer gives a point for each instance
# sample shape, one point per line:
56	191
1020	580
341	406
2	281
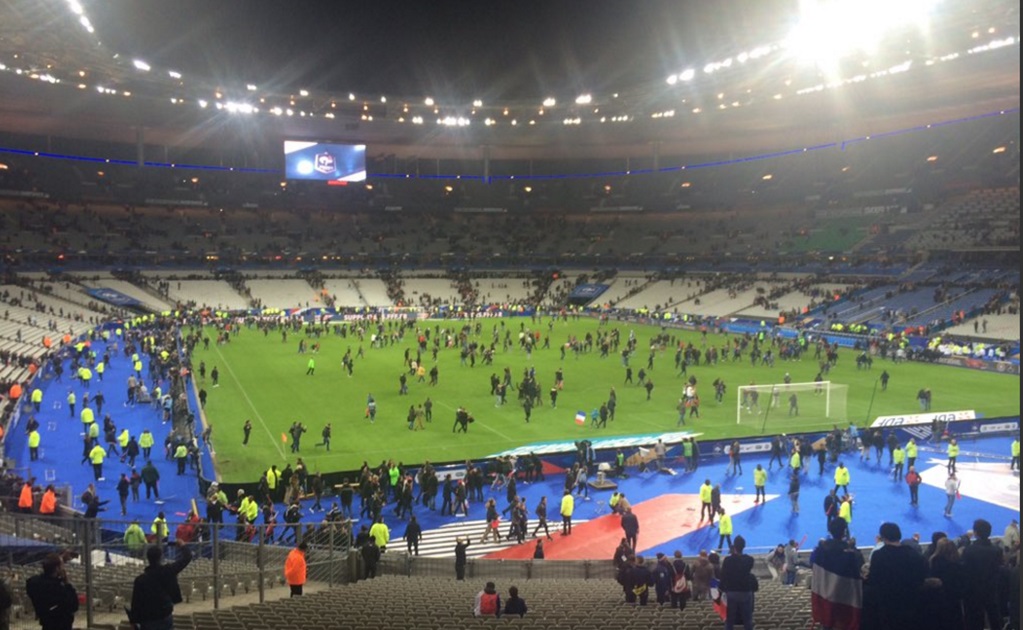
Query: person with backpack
680	590
488	602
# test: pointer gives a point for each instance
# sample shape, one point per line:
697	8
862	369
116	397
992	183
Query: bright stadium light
584	99
687	74
141	65
828	30
174	74
550	101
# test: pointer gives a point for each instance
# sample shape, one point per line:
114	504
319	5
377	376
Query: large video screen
324	161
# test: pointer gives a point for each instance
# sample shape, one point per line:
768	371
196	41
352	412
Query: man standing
737	584
982	562
157	589
705	495
724	529
953	454
151	478
1014	450
247	431
837	597
567	507
794	492
913	480
891	592
630	524
842	478
759	484
461	545
295	569
54	599
952	492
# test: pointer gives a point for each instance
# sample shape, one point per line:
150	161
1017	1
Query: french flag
580	418
837	588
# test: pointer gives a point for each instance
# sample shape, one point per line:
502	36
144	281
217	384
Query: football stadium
326	315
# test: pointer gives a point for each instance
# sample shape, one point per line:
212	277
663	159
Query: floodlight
75	7
251	87
174	74
477	103
141	65
549	102
303	92
687	74
584	99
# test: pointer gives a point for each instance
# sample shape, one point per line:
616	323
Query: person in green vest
911	452
842	478
146	442
796	461
33	445
845	510
310	367
135	539
687	453
37	399
899	459
100	369
1014	450
705	497
619	463
71	400
96	456
953	453
181	457
760	484
159	528
724	529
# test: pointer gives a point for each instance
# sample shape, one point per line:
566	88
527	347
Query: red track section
661	519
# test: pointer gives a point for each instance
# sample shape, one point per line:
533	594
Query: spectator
942	608
53	598
891	593
983	566
157	589
515	604
837	597
738	584
488	602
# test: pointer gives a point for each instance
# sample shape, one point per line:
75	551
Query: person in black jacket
54	599
413	534
982	562
461	545
157	589
638	582
737	582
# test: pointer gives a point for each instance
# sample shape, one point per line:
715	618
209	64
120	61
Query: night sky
457	50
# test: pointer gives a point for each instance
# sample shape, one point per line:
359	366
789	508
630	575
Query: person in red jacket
913	480
26	500
488	602
295	569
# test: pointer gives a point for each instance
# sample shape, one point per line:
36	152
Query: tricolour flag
580	418
837	589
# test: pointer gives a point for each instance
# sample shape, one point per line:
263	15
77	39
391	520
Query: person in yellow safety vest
94	430
845	510
181	457
85	375
724	528
137	366
159	528
273	480
567	508
899	459
37	399
1014	449
87	416
842	478
706	491
122	439
796	462
953	453
613	501
760	484
96	456
380	533
911	452
33	445
71	400
146	442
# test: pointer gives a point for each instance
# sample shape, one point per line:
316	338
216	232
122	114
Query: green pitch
264	379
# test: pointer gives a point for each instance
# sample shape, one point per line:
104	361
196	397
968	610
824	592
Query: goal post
813	401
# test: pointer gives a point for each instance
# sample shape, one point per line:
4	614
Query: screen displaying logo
325	163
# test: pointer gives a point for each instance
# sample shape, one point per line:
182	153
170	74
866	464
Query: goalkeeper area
787	406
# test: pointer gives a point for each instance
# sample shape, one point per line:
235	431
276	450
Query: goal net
812	401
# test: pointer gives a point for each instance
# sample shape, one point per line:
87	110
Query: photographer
54	599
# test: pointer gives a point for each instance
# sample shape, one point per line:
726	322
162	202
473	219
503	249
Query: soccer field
264	379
